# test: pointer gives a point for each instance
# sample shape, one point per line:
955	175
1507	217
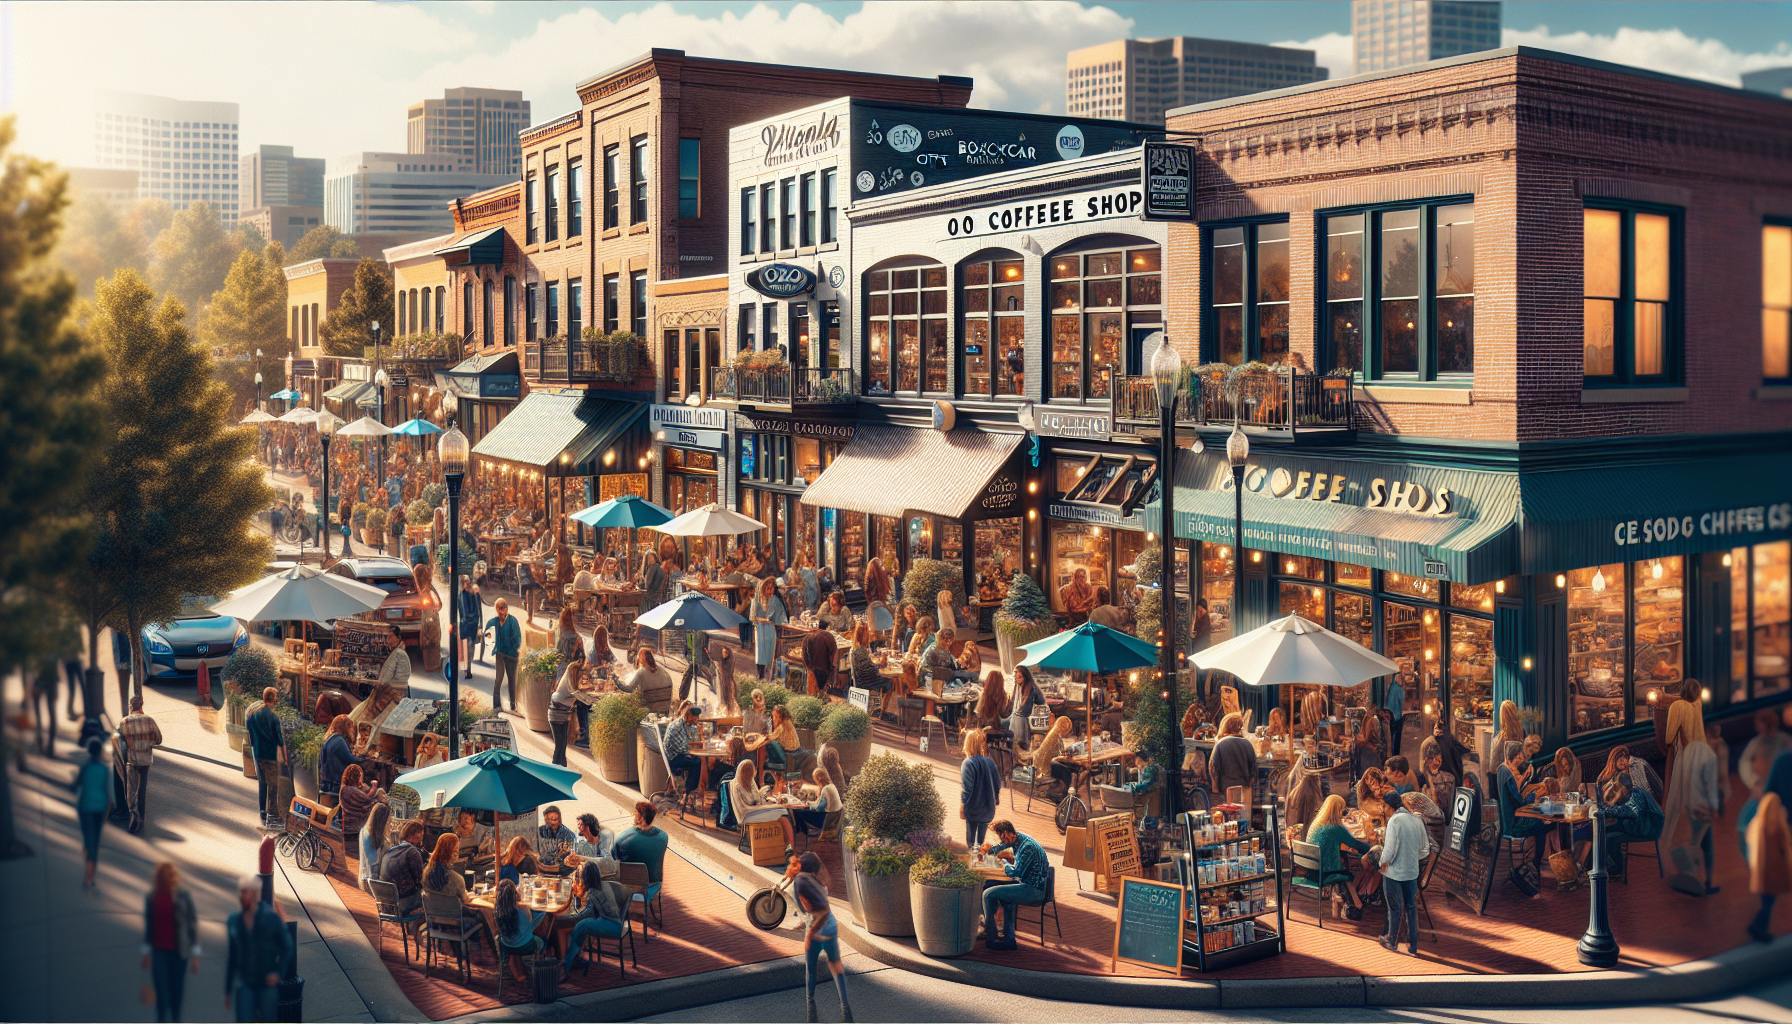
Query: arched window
415	328
466	309
423	324
907	336
1102	302
441	307
485	326
993	307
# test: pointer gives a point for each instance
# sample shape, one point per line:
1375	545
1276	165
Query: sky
332	79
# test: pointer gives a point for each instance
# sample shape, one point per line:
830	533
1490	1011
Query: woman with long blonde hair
1327	832
1695	779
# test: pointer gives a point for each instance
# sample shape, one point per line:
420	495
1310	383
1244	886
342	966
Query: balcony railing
1272	399
576	360
782	385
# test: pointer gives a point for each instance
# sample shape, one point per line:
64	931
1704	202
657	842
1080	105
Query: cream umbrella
366	426
299	414
711	520
300	594
257	416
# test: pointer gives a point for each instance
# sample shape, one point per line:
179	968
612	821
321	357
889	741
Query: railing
575	359
826	386
781	385
1272	399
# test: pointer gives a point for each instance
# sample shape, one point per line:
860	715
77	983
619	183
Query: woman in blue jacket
1631	816
333	760
982	788
93	801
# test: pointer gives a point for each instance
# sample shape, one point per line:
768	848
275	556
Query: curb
669	995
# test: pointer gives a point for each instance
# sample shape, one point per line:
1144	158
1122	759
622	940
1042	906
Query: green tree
193	256
348	329
176	490
97	239
344	249
245	316
315	245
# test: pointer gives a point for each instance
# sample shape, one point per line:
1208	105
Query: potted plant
806	713
358	514
890	801
250	669
774	695
537	674
925	578
945	898
1148	614
236	711
304	744
1025	616
373	529
614	722
395	530
435	494
848	730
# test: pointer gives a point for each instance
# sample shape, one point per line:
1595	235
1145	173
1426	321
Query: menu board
1116	849
364	641
1467	874
1148	928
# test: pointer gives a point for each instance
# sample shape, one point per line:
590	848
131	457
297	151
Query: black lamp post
1238	452
1597	948
1166	375
327	422
452	449
380	380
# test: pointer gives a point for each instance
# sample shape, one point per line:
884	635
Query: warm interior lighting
1705	694
1032	487
1032	513
1527	663
1656	572
1561	581
1290	566
1256	556
1500	587
1430	655
1652	696
1598	581
1726	559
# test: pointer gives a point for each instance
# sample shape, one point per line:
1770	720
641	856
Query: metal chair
634	875
1305	878
827	832
1623	873
676	793
1049	902
628	934
445	921
1025	775
1424	882
385	899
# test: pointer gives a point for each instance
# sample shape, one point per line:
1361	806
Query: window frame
1251	337
1624	320
612	186
486	333
787	213
575	307
637	303
509	310
637	177
690	170
532	203
575	198
768	217
830	212
551	305
746	337
806	201
531	312
1783	223
1131	314
749	238
551	204
1369	311
991	258
612	302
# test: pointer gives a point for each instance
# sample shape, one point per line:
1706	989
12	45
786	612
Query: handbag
1563	865
1523	876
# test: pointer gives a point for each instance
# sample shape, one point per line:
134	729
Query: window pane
1102	264
976	356
1344	257
878	305
937	353
1272	333
1305	601
880	280
1651	320
1413	637
1064	295
905	303
1145	290
1010	271
933	303
1105	330
1229	324
904	279
1455	320
1399	336
976	300
1480	596
1349	575
1776	343
1010	299
1228	266
1011	332
1102	293
1216	587
1600	322
1471	674
1304	567
1064	266
880	355
1400	254
1455	250
933	277
1067	357
1773	617
1652	257
1738	564
1776	265
1660	657
1140	261
976	274
1602	231
1354	616
1346	335
1597	669
908	355
1272	262
1412	586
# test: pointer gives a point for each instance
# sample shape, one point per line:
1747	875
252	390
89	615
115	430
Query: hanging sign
1167	177
708	418
781	280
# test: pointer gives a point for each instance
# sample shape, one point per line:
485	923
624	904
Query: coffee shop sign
1753	519
1383	494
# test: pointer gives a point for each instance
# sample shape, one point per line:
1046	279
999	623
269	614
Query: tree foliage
98	239
48	414
348	328
193	256
318	243
175	493
246	315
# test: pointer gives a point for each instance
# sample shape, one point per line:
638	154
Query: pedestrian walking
170	940
267	743
507	641
141	737
466	604
1403	853
259	949
93	801
43	707
822	934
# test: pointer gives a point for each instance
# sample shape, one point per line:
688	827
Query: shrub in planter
806	713
360	513
435	494
252	669
890	801
848	730
1025	616
236	711
926	577
946	900
774	695
537	674
420	513
614	721
306	742
376	522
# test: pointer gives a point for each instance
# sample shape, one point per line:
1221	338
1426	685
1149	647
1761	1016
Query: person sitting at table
365	743
429	751
652	580
751	803
921	639
375	837
1027	696
1078	598
517	860
737	752
835	616
475	839
827	799
1513	778
1567	770
1028	868
1306	791
1631	816
755	717
599	908
401	864
993	706
1106	613
594	842
1233	761
908	622
521	932
821	657
679	738
1327	832
750	562
644	844
1277	727
1372	796
970	660
1048	759
358	799
649	682
938	667
441	877
334	757
786	746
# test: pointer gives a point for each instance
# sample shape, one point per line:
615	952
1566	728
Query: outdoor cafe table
1565	826
713	588
486	904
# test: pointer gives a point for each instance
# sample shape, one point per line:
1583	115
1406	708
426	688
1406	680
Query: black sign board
897	148
1465	867
1168	178
1148	929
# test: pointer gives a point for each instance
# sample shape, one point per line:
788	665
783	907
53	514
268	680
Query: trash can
650	764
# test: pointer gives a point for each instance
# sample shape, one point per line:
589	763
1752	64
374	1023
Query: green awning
480	248
1418	520
545	426
1574	518
348	391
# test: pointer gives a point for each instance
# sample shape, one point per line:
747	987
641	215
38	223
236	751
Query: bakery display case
1598	670
1659	658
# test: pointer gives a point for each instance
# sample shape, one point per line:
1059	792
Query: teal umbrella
1094	648
624	510
417	428
492	780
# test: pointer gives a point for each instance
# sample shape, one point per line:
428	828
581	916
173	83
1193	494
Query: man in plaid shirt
678	747
141	736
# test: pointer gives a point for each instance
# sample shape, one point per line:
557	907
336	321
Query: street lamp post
1166	375
380	380
326	426
1597	948
452	450
1238	452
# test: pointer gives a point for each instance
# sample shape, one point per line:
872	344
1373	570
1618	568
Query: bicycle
305	848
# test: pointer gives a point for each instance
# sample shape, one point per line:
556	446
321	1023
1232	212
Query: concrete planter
616	761
651	766
883	902
853	755
945	920
532	693
304	782
806	738
236	735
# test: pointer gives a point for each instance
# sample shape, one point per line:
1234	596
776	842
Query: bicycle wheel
326	856
285	844
766	909
1072	812
306	854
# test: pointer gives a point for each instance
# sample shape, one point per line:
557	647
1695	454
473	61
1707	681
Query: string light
1561	581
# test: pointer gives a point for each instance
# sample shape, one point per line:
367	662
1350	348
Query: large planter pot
236	735
532	693
853	754
806	738
1005	651
304	782
945	919
883	903
616	761
651	765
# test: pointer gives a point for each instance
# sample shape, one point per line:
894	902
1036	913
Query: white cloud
1331	51
1669	51
335	79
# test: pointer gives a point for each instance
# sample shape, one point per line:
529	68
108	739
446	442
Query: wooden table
487	907
988	874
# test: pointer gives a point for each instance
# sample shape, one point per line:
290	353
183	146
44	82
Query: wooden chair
647	894
385	899
828	832
444	921
1049	902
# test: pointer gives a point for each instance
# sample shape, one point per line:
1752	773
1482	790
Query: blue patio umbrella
1090	647
287	395
417	428
492	780
624	510
690	610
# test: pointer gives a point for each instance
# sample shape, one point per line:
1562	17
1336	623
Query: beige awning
888	471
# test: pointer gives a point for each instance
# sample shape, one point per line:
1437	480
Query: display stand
1217	934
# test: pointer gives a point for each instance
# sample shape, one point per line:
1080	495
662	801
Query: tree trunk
89	695
139	666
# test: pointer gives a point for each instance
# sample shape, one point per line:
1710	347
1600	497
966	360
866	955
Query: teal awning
1578	517
480	248
1380	514
349	391
545	426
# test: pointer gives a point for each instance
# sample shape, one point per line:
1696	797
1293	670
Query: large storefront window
1404	280
1096	298
998	554
1217	584
1760	620
905	317
1471	673
1078	546
994	308
1248	295
1626	640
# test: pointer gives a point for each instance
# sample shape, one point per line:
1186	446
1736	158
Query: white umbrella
326	421
257	417
299	414
366	426
1295	650
300	594
711	520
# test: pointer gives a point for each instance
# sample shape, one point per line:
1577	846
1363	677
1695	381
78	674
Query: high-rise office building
185	151
1774	80
116	186
394	193
272	176
471	129
1394	33
1139	79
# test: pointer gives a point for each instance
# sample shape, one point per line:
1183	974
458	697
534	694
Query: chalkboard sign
1148	929
364	641
1467	872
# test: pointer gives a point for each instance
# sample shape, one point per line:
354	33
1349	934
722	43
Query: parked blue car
175	649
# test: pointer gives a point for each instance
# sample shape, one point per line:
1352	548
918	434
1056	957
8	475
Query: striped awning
349	391
889	471
545	426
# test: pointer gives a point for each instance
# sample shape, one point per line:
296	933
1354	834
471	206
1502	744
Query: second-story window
1099	300
744	338
807	222
637	176
637	303
575	307
575	198
1630	328
905	313
1248	291
553	311
1399	295
1776	302
768	217
995	328
532	211
787	224
829	212
747	237
690	177
531	312
509	311
612	303
553	204
612	188
485	332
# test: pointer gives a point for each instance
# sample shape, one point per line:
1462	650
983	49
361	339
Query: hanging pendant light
1656	572
1598	581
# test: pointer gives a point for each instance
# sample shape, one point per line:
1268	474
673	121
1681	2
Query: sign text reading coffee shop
1076	208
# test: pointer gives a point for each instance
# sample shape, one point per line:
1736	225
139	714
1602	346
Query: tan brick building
313	289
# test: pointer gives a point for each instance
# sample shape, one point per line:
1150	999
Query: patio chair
675	794
385	900
1305	879
1425	870
1623	873
1049	902
1024	775
445	921
628	935
647	894
827	832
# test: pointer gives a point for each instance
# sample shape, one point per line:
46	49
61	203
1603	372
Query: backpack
724	812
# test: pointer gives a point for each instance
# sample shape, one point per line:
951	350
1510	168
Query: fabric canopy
478	248
888	471
545	426
349	390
